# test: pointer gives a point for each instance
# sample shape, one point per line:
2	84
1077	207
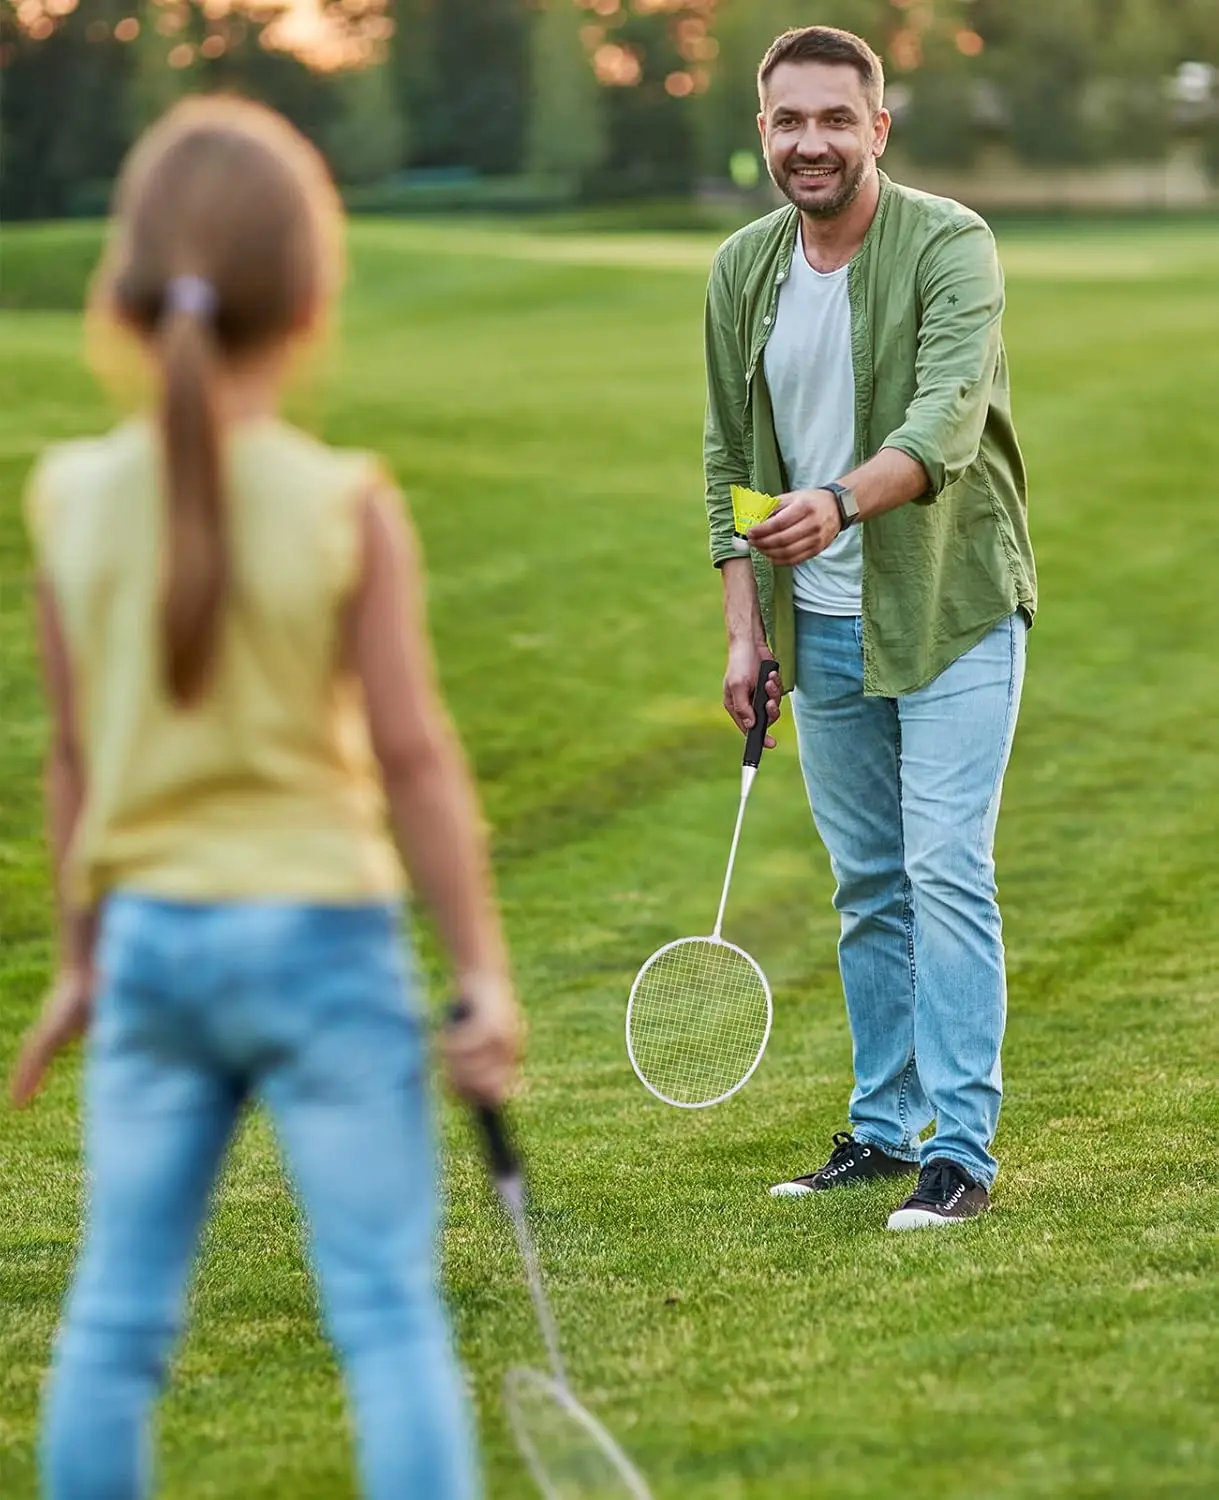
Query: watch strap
848	509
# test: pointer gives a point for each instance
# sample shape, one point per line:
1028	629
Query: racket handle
755	741
501	1153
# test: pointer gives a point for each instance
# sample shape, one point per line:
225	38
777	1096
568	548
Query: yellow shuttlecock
749	508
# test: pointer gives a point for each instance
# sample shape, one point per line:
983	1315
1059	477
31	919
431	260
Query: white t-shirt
811	377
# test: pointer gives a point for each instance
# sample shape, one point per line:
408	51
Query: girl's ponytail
196	575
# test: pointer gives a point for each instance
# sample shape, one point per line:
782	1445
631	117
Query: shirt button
766	319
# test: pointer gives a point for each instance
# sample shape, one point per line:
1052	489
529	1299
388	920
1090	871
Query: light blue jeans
201	1009
905	794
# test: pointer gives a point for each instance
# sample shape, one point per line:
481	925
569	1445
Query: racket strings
570	1454
568	1451
700	1017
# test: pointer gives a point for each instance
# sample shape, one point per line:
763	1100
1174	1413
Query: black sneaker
946	1194
851	1163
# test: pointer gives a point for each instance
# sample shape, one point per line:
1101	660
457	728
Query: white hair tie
192	296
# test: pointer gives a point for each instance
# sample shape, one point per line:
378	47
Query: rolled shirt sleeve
725	460
959	349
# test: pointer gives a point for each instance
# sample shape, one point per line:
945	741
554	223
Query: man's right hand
744	659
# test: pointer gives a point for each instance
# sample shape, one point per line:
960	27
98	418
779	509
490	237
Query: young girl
233	638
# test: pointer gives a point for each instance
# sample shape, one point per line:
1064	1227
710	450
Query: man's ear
880	137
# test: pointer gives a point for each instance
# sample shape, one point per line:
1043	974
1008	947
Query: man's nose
812	140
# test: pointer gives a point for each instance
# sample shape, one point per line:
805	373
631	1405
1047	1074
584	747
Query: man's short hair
827	44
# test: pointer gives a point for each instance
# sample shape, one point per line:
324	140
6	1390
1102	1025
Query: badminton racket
700	1010
569	1453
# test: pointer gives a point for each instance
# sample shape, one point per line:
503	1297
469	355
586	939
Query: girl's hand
65	1016
483	1041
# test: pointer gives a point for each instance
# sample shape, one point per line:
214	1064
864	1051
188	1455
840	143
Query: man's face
820	136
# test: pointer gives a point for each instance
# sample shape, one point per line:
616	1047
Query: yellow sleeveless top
267	788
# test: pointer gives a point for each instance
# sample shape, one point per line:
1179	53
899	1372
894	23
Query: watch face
848	506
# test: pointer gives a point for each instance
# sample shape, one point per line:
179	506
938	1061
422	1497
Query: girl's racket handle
755	740
502	1156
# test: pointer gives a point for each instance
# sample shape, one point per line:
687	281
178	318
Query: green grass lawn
540	398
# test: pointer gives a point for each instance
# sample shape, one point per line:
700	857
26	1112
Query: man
856	369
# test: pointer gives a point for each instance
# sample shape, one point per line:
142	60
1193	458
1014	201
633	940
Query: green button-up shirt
931	379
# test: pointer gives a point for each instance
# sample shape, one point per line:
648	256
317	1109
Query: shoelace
844	1144
939	1180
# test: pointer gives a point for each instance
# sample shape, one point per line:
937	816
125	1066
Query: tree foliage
64	106
366	138
618	96
567	125
481	61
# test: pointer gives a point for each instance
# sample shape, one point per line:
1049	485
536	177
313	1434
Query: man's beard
828	208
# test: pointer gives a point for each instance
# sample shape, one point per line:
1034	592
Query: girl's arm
64	781
65	1013
432	801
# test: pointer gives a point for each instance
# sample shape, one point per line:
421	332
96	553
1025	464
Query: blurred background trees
595	98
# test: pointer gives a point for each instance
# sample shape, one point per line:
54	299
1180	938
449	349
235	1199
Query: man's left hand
802	525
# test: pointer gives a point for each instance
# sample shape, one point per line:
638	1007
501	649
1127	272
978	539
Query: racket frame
755	744
558	1392
761	1053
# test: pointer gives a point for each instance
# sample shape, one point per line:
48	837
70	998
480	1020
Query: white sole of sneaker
790	1190
920	1218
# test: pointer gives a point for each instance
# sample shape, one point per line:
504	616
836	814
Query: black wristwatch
848	506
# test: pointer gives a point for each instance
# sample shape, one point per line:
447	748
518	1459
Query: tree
937	128
62	111
567	126
939	114
1198	23
482	69
79	88
154	83
933	59
726	116
1133	114
366	139
182	48
412	60
1041	57
652	148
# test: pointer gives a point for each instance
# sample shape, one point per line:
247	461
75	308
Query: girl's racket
700	1011
569	1453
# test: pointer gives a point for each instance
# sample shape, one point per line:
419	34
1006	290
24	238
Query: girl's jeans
305	1009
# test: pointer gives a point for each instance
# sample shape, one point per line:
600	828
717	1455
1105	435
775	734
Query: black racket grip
501	1153
755	740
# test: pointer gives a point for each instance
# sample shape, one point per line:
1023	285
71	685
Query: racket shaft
746	785
508	1174
533	1274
